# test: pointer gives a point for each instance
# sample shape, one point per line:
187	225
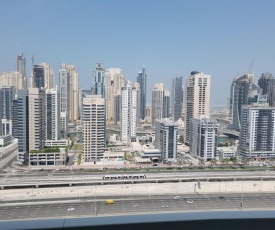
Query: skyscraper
114	80
42	76
267	85
240	88
257	136
8	95
99	79
21	68
20	117
177	98
52	114
69	95
142	80
64	98
197	100
74	94
37	121
15	79
128	112
204	138
160	102
94	127
166	138
264	82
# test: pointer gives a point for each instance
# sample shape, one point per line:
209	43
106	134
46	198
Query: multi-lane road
134	205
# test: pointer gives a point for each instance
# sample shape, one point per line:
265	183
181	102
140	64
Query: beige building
69	91
114	80
37	121
74	93
197	100
42	76
94	127
160	102
15	79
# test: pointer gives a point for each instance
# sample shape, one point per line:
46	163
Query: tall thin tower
197	100
142	80
21	68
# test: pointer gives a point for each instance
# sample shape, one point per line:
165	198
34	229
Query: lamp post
95	202
242	196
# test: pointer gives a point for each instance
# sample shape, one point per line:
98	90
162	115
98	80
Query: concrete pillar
70	184
37	186
2	187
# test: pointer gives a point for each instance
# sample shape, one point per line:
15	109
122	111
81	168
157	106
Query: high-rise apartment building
74	94
8	95
264	82
240	88
118	109
15	79
160	102
204	138
68	96
197	100
94	127
42	76
114	80
83	93
267	85
20	126
37	121
177	98
142	80
64	99
21	68
128	112
166	133
52	114
99	79
257	135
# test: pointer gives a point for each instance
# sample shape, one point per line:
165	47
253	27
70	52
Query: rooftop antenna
250	66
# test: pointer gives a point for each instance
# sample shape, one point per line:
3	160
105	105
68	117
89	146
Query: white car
136	205
165	206
190	202
71	209
176	197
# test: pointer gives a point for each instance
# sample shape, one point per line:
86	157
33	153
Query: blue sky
216	37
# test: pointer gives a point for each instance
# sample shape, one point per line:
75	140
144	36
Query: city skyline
173	45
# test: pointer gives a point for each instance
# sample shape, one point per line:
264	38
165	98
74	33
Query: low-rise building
44	158
226	152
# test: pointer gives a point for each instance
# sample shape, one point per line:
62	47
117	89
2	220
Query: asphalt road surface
135	205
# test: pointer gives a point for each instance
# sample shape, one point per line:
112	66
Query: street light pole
242	196
95	202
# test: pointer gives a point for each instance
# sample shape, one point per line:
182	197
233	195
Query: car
221	197
165	206
176	197
135	205
71	209
190	202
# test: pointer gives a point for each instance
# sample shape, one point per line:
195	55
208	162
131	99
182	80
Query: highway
134	205
55	180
